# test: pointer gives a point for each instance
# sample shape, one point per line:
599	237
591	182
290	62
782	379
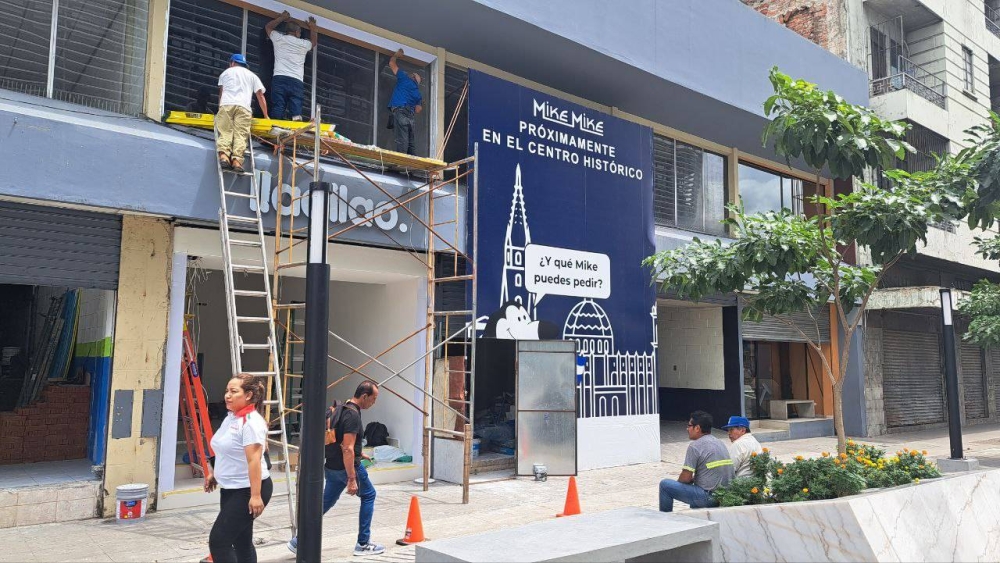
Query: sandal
224	162
237	165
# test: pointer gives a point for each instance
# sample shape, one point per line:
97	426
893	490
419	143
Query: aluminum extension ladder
252	306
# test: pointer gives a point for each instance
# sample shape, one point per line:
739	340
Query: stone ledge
917	522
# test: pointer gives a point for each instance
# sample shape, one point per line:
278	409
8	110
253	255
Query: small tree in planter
782	263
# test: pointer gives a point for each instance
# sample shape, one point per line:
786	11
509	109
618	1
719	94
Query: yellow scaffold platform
331	141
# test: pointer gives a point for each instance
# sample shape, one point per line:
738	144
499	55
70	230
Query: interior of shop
370	316
780	371
495	438
55	369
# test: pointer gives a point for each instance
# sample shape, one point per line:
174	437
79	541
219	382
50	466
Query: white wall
690	347
374	317
370	316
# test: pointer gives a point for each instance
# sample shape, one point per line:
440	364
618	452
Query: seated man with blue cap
742	446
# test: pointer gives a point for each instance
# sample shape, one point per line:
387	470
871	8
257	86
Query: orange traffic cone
414	525
572	500
206	559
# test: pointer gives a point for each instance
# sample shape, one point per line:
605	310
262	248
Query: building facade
933	64
110	238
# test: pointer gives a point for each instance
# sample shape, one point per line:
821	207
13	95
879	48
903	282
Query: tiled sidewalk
182	535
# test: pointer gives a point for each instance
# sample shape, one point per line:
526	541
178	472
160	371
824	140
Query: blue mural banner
565	219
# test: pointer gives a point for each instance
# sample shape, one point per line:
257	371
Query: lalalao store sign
354	201
565	220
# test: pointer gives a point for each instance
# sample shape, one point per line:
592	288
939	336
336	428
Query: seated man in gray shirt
706	466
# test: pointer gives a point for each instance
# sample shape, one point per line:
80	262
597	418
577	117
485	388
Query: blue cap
238	59
737	422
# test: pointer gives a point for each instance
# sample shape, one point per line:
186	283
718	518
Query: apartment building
936	65
109	216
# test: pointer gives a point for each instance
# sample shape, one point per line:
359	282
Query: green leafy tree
781	262
982	201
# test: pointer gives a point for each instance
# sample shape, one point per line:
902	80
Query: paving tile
8	516
8	497
76	509
31	514
37	495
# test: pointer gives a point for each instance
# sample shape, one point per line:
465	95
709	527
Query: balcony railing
908	75
993	20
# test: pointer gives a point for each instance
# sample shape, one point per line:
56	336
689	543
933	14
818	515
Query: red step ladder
194	410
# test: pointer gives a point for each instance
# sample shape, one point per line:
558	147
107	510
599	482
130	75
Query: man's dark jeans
402	125
286	97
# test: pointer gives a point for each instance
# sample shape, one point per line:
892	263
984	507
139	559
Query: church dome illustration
587	320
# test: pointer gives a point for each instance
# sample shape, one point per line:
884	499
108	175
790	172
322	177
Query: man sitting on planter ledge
706	466
744	446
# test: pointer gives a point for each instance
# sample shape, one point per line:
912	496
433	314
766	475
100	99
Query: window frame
52	67
379	114
674	223
969	71
800	199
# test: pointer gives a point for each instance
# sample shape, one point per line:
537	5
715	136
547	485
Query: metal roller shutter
773	329
995	375
974	386
913	384
59	247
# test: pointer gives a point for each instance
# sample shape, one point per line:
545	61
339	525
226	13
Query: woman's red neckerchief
245	412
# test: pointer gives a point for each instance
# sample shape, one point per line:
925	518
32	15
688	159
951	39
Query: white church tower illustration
517	239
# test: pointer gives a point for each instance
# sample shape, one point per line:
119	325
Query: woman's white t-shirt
229	443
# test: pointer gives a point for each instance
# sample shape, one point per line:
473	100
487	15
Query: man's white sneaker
368	549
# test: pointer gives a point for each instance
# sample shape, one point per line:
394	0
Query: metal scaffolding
446	332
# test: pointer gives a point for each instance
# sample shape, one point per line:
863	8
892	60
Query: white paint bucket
131	500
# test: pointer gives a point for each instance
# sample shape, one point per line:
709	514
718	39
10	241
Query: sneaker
293	544
368	549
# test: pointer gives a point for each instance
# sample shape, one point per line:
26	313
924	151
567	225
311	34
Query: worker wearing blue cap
237	87
743	446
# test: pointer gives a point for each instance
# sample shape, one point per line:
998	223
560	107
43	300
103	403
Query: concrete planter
954	518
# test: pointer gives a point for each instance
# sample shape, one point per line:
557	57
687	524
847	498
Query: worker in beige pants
237	87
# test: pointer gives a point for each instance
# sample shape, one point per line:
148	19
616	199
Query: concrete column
139	349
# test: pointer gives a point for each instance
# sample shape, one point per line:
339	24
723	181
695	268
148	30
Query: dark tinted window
202	36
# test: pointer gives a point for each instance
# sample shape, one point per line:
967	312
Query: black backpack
376	434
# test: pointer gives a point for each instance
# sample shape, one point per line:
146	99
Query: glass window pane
24	45
759	190
664	172
714	192
202	36
690	212
260	52
386	84
346	88
458	143
101	54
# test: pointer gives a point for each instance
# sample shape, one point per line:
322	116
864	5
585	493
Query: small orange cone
414	525
206	559
572	500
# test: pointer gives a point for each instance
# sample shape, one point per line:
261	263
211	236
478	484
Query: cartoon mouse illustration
512	322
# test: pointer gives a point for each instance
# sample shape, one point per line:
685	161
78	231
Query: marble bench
626	534
805	409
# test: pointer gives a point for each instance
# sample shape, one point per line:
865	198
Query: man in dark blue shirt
404	105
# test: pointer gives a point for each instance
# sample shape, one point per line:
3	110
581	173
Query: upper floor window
763	190
689	187
353	82
969	76
87	52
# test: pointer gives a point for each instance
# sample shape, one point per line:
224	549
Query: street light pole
311	474
951	376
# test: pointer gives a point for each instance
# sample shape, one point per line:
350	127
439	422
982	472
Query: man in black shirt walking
344	469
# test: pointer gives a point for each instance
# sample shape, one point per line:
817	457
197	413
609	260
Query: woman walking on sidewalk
240	472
